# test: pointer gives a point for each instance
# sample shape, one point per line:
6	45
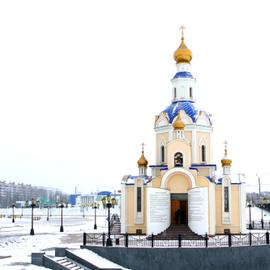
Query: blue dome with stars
175	107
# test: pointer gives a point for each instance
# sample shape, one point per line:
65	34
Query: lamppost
249	226
48	211
260	198
13	216
61	226
95	207
109	205
32	217
83	206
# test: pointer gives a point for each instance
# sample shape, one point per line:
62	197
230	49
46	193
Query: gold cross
143	144
225	143
182	28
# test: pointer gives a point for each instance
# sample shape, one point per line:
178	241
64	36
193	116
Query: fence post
206	240
103	239
84	239
126	240
179	240
229	239
152	240
250	239
267	238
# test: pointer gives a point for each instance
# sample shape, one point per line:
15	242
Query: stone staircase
115	224
77	259
66	263
174	230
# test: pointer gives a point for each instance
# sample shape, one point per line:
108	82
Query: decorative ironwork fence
126	240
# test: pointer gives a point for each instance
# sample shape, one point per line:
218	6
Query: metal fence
259	225
126	240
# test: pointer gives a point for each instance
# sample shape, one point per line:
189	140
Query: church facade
183	187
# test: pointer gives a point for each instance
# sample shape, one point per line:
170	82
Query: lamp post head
33	203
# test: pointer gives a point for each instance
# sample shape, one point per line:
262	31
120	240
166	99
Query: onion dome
142	162
183	54
178	124
226	161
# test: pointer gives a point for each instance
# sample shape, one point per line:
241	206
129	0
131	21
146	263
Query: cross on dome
143	144
225	144
182	28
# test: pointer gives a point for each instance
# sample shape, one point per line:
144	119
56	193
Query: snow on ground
16	243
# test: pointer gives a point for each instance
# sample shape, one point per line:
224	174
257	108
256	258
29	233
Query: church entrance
179	209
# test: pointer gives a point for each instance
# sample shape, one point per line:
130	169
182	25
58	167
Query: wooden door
175	206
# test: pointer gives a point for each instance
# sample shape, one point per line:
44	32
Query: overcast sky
81	83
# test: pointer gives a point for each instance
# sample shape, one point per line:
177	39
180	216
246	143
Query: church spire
142	162
226	161
182	54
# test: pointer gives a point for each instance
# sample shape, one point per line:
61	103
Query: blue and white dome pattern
183	74
175	107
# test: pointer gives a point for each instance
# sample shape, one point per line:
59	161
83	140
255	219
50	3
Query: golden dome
183	54
226	161
178	124
142	162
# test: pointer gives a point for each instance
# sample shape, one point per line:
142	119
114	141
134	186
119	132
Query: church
182	187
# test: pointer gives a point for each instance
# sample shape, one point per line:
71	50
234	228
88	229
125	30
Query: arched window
162	153
174	92
203	153
178	159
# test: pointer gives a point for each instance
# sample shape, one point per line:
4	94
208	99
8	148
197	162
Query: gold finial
226	161
182	28
142	144
225	150
178	124
142	162
182	54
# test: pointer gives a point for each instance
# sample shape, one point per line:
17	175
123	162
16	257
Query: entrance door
179	209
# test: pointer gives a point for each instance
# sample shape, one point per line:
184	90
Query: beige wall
235	207
178	183
161	137
202	181
203	137
131	226
204	171
178	146
156	182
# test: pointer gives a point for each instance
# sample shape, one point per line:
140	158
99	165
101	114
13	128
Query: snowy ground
16	243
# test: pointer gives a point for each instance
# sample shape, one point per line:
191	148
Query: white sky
81	82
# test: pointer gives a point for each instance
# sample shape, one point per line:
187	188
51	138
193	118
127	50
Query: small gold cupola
226	161
142	162
183	54
178	124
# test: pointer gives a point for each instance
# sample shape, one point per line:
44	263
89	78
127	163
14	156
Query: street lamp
13	216
48	210
109	205
95	207
32	217
249	226
61	226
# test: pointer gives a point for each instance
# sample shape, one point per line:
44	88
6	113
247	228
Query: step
69	264
92	260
